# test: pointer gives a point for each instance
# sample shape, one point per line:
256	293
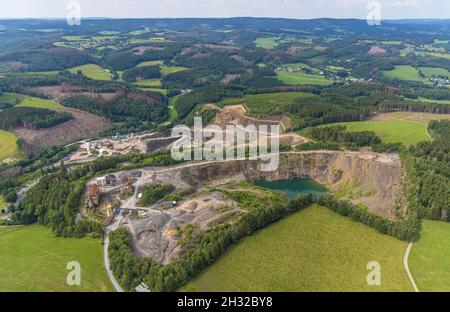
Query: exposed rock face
367	178
155	233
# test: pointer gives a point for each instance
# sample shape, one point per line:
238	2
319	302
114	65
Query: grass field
8	146
165	70
393	130
162	91
32	259
434	54
300	78
272	103
404	72
430	256
39	103
173	114
391	42
313	250
421	99
146	40
435	71
149	83
267	43
150	63
92	71
11	98
2	202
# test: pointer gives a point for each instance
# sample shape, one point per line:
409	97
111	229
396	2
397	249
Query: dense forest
142	73
31	118
428	167
134	106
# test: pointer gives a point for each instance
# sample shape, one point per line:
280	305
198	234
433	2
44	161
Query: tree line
31	118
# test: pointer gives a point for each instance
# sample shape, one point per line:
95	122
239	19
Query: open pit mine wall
372	179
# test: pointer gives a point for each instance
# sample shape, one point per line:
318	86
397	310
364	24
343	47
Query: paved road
405	264
106	256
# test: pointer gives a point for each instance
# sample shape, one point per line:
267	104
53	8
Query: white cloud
227	8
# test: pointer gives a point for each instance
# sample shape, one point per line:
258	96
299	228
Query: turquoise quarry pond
294	187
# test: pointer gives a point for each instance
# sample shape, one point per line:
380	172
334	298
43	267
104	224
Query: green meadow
267	43
8	146
92	71
2	202
312	250
301	78
11	98
27	101
429	258
39	103
165	70
434	54
32	259
149	83
393	130
404	72
435	71
421	99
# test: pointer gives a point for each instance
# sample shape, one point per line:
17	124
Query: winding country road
405	264
106	256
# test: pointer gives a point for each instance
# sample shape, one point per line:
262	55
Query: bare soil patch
84	125
141	49
377	50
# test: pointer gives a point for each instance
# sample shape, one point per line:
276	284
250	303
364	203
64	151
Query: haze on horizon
302	9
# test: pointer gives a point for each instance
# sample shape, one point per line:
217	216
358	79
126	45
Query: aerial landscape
95	195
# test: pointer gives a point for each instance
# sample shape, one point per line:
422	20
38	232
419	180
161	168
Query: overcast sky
227	8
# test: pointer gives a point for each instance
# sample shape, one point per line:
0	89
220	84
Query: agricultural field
421	99
267	43
393	128
272	103
32	259
11	98
173	114
24	100
429	257
404	72
92	71
162	91
165	70
301	78
312	250
434	54
433	71
391	42
146	40
150	63
8	146
39	103
149	83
